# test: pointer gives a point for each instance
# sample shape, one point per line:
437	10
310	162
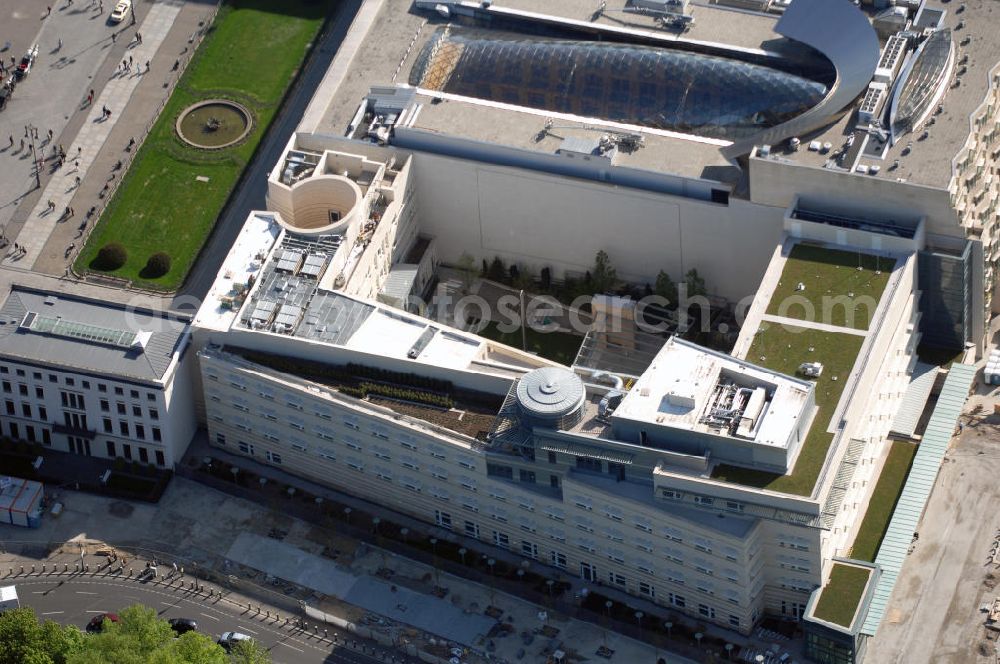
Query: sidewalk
586	637
134	100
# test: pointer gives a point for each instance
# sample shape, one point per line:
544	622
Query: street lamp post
434	543
607	609
669	626
638	621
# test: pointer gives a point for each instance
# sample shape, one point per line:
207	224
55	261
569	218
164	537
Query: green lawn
783	348
250	55
830	276
840	597
556	346
883	501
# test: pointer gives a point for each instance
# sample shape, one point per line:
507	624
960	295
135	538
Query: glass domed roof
642	85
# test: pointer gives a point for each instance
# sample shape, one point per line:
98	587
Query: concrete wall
529	217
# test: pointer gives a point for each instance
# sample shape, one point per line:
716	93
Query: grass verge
883	501
783	348
836	291
173	193
839	601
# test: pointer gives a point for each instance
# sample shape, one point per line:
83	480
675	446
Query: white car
121	10
229	639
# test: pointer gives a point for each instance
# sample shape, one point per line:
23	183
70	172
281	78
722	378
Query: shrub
111	257
157	265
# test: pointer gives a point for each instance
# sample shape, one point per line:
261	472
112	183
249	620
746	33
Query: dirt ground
934	613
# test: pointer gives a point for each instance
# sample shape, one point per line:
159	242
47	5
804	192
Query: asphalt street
75	600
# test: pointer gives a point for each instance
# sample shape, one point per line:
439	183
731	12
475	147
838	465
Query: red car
96	623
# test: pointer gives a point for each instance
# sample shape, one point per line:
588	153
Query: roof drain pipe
599	376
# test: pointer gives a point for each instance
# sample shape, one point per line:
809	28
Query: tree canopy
140	637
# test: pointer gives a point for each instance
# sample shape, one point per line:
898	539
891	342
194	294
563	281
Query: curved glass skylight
923	83
641	85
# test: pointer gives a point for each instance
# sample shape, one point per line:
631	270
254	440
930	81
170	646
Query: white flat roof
394	334
259	234
675	391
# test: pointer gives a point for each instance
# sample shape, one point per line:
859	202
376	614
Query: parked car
183	625
27	60
229	639
121	10
96	623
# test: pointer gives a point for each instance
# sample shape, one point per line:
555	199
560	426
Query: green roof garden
838	603
836	291
783	348
883	501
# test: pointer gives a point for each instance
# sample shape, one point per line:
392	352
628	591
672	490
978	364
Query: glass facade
945	282
926	76
641	85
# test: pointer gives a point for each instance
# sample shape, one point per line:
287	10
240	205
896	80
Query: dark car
27	60
96	623
183	625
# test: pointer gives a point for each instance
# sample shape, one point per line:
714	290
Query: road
77	599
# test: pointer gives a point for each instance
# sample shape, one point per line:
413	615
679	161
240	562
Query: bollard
267	614
65	568
130	570
43	569
32	569
86	568
10	571
22	569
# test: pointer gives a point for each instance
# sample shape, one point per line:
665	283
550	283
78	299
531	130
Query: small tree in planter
157	265
111	257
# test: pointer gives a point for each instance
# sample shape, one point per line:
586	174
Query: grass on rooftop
883	501
783	348
559	347
840	597
250	55
829	275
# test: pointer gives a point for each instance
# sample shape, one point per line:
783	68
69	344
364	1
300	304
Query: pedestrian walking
79	151
131	142
52	205
50	134
68	212
147	66
130	62
12	140
114	37
139	35
34	131
59	44
48	10
22	145
77	180
76	165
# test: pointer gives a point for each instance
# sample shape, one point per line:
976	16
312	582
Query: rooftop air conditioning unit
765	151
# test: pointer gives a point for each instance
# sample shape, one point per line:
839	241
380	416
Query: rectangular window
101	387
734	621
558	559
527	476
647	590
273	457
706	610
501	539
7	386
70	381
617	579
529	549
11	410
111	448
442	519
154	414
105	405
554	481
22	389
134	394
140	432
143	455
46	437
220	438
120	391
499	470
136	411
246	448
588	464
157	436
108	425
552	457
123	428
677	600
121	408
30	431
472	529
127	451
160	461
39	393
26	410
150	396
